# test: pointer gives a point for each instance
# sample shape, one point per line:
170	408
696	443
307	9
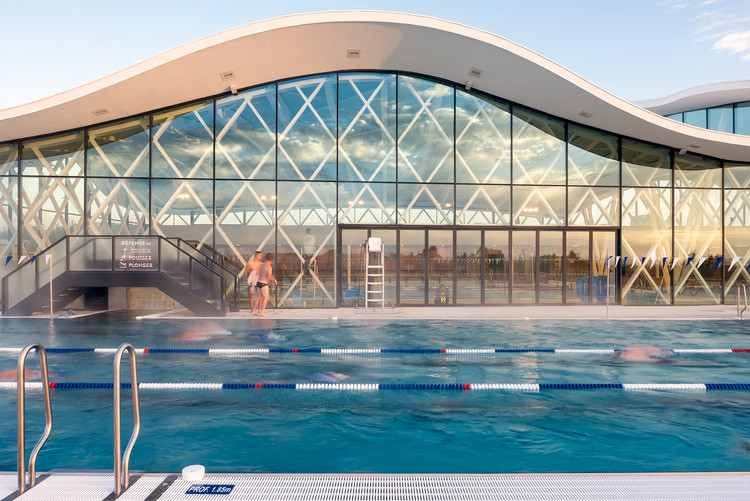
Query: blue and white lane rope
522	387
387	351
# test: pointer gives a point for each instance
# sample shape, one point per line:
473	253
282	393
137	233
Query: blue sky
636	49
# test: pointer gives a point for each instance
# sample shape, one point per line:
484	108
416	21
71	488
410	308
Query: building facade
480	196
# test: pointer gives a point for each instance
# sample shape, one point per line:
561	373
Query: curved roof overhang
306	44
696	98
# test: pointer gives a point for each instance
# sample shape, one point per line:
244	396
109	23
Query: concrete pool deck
532	312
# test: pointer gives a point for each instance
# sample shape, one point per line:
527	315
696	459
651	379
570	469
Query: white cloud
733	43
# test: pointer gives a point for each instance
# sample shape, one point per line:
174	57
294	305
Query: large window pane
645	165
646	240
425	126
367	127
736	241
425	203
721	119
482	139
496	267
696	118
245	219
52	207
60	155
119	150
367	203
539	206
184	209
592	157
697	241
482	204
246	135
307	129
8	159
412	262
183	142
306	243
692	171
593	206
538	148
742	118
117	206
440	266
736	175
8	217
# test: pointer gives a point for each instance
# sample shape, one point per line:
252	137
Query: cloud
733	43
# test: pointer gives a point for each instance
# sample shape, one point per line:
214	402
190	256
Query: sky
636	49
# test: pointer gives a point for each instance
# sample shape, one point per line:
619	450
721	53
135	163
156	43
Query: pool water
318	431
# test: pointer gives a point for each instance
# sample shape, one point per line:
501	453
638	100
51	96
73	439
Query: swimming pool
410	431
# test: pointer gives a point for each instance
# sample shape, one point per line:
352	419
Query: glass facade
732	118
477	200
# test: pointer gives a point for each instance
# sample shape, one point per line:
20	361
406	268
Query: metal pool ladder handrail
21	388
744	290
122	463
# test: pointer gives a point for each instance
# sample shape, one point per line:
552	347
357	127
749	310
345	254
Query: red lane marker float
146	350
467	387
258	385
294	350
740	350
52	385
443	350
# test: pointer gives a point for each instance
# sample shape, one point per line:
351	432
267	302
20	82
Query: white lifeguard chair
374	273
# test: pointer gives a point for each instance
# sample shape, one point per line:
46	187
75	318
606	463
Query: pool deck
535	312
293	487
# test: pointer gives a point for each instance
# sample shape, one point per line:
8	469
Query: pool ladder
741	288
121	462
21	389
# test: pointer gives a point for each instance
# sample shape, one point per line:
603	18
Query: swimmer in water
644	354
201	331
330	377
11	375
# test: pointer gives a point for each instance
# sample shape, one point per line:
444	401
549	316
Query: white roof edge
699	97
390	41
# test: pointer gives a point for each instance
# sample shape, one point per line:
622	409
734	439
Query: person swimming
201	331
11	375
644	354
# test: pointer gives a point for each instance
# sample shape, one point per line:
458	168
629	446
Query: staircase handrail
6	280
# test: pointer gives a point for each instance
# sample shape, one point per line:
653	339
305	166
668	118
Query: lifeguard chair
374	273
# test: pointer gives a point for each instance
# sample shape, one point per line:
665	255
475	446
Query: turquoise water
391	431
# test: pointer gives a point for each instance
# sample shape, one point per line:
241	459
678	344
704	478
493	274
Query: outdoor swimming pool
399	431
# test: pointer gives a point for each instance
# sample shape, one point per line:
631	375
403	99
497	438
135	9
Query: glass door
524	267
352	285
578	264
550	267
440	265
468	267
412	267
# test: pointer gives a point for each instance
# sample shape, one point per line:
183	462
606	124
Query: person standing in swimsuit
265	277
251	273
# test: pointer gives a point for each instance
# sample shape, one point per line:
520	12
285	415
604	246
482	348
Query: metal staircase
74	264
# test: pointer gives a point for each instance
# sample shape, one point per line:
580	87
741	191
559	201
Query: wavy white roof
304	44
696	98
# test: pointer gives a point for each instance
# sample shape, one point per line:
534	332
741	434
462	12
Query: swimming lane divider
353	351
522	387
